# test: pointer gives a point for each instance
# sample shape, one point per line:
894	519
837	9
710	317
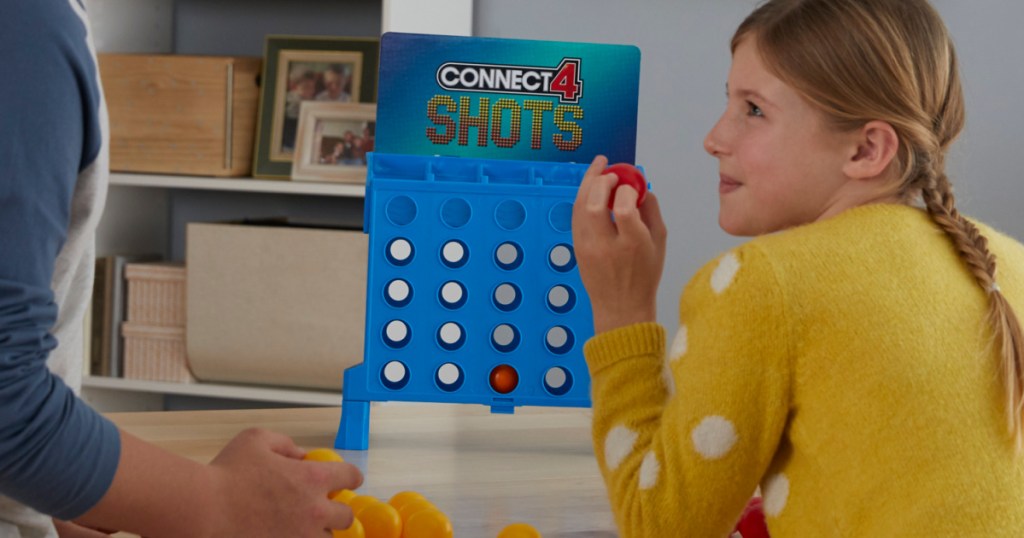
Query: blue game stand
473	295
471	267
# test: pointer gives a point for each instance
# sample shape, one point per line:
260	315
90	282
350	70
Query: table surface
485	471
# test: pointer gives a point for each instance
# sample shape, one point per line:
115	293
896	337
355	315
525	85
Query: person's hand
267	490
68	529
620	261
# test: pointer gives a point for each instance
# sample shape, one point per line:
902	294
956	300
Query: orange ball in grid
504	378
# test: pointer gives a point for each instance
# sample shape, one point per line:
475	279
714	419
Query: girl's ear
876	145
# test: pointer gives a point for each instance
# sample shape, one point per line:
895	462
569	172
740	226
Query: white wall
686	59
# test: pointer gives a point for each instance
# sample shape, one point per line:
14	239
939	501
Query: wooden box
176	114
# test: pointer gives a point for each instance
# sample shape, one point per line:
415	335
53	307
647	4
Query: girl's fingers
650	212
590	212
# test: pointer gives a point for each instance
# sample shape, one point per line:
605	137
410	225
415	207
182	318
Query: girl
860	359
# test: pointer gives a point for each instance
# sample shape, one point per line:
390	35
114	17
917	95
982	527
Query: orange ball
322	454
380	520
519	530
344	496
399	499
354	531
412	506
361	501
428	524
504	378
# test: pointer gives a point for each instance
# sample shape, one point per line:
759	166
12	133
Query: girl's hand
267	490
68	529
620	261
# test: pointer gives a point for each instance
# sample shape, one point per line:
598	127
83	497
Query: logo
563	82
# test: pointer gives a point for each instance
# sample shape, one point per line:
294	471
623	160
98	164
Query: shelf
238	184
210	390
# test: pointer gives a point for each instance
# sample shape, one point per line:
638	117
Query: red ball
504	378
628	175
752	523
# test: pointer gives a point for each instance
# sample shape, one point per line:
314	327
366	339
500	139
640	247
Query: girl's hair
893	60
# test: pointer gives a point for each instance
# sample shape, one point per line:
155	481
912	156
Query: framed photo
333	140
300	69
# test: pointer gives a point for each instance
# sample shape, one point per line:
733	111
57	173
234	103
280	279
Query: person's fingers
597	165
339	516
344	476
626	198
590	211
650	212
627	217
276	442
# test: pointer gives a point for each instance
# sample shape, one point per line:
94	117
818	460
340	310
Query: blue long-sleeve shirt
57	455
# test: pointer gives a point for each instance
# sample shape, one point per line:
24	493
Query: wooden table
485	471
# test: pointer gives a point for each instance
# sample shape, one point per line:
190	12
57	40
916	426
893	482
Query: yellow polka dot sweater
844	366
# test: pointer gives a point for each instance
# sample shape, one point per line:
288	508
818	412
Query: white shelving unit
236	184
138	214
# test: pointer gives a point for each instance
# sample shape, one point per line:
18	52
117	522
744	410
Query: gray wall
685	62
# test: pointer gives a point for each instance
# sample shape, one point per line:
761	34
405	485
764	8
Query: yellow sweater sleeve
682	439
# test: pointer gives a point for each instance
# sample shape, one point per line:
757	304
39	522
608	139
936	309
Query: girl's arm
682	437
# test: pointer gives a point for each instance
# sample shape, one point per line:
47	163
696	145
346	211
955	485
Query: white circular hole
560	256
394	371
397	331
503	335
507	254
451	292
557	337
398	290
505	294
558	296
453	252
450	333
555	378
401	249
448	374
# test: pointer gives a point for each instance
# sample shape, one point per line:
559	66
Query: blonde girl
860	359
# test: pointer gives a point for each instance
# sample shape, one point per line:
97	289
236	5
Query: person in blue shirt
60	461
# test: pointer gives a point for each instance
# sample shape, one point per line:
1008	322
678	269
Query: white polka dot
679	345
725	272
713	437
618	445
649	470
776	492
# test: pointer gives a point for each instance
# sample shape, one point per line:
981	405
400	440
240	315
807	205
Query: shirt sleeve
682	439
57	455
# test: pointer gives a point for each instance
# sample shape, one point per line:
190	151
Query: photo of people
310	76
344	142
333	140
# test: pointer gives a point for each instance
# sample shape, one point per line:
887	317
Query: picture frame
297	69
333	140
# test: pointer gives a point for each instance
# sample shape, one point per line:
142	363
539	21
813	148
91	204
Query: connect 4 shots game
473	295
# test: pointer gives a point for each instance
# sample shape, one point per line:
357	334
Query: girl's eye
754	110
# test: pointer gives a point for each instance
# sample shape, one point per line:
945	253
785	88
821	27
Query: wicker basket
156	294
155	353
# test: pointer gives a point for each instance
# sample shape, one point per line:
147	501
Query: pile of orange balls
406	514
